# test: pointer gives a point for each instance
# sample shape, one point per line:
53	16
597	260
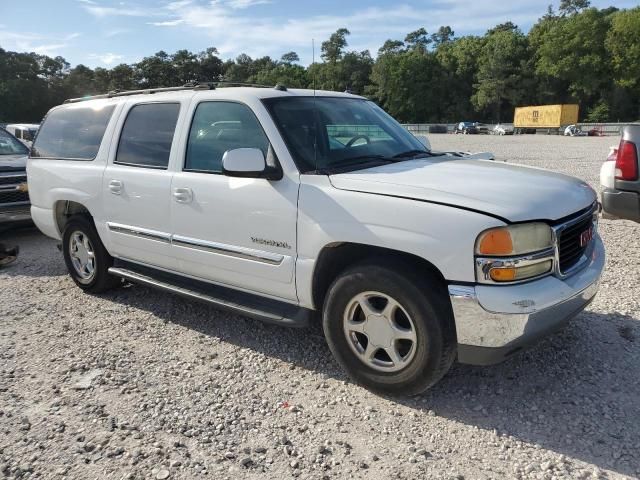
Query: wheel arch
335	258
63	210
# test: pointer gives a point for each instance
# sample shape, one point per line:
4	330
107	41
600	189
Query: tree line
578	54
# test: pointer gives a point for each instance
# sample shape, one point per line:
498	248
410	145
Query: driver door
239	232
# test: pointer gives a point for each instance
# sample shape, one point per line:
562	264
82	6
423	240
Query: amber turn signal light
496	242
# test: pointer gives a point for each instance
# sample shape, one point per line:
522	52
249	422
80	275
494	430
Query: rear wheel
389	328
86	258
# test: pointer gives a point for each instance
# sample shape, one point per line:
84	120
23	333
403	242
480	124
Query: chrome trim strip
13	175
228	250
484	265
196	244
11	187
139	232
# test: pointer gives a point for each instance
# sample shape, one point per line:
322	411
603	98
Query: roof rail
186	86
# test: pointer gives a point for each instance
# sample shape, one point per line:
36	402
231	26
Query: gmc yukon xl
291	205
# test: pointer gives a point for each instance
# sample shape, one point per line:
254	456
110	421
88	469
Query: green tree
418	39
290	57
443	35
500	82
570	52
571	7
623	47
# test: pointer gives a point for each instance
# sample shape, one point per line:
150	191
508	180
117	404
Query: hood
511	192
13	162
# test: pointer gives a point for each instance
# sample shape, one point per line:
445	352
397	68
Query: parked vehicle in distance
280	203
619	177
502	129
482	128
25	132
466	128
574	131
14	198
550	117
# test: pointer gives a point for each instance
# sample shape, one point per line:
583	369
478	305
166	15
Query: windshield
10	145
327	134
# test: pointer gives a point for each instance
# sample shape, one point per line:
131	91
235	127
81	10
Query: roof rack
186	86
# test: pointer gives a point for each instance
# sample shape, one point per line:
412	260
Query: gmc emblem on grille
586	237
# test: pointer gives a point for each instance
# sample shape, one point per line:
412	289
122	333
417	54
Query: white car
294	206
574	131
501	129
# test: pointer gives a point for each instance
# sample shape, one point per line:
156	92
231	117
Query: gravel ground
140	384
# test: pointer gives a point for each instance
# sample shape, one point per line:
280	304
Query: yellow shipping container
546	116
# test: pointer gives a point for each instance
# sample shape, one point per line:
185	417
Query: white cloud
168	23
35	42
242	4
116	32
107	58
234	27
123	10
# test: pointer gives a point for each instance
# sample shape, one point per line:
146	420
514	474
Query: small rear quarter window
72	133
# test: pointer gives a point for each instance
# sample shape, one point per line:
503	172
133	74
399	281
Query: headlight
514	253
514	240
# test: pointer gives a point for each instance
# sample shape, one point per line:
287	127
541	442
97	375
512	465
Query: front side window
147	135
327	134
10	146
72	132
218	127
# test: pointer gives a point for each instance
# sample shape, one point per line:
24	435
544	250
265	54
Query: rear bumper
495	322
621	204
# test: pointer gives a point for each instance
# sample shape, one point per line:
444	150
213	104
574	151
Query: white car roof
227	93
23	125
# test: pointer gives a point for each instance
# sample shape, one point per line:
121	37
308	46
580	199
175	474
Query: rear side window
147	135
72	133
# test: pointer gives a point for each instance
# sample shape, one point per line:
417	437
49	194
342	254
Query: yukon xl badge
271	243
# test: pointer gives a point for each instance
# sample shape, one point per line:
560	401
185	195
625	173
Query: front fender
443	235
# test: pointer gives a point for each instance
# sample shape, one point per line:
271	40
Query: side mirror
248	163
424	141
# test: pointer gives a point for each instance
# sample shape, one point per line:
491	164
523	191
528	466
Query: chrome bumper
493	322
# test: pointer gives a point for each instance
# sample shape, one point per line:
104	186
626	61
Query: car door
137	185
239	232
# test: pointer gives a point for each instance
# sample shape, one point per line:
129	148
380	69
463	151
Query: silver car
14	197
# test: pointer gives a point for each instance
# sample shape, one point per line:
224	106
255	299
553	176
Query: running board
260	308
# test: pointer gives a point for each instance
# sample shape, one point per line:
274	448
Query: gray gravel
140	384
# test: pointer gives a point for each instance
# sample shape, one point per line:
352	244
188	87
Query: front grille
10	180
13	196
569	248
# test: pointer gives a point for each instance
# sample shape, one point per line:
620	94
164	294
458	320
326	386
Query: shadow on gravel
38	256
576	393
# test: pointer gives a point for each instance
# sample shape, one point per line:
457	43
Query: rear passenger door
137	183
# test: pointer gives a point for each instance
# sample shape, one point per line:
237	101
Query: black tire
100	281
425	300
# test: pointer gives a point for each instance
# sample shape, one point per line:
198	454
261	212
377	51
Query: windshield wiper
412	153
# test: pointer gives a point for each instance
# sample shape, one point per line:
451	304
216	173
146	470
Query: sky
104	33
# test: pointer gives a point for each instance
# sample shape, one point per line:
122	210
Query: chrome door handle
115	187
182	195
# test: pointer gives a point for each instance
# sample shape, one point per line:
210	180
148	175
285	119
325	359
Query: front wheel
390	329
86	258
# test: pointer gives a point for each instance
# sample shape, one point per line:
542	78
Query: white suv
281	203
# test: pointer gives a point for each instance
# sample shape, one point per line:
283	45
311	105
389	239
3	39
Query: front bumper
621	204
494	322
17	214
